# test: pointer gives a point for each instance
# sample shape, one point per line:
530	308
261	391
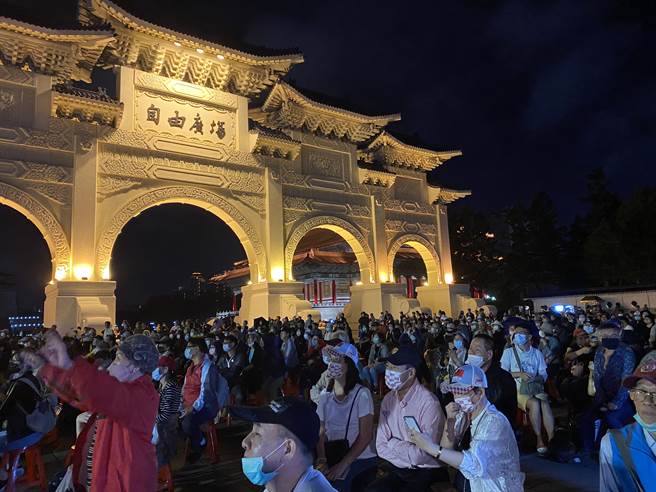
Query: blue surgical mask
376	339
521	338
157	374
648	427
457	344
188	353
227	347
252	468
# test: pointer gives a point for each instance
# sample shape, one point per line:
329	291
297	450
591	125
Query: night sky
535	93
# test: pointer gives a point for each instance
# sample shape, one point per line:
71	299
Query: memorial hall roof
63	53
387	150
443	196
286	107
161	50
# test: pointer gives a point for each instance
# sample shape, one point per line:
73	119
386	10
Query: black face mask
610	343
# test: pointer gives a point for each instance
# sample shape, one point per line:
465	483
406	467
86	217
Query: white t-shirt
334	414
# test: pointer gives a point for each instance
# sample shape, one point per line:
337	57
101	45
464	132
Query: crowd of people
395	403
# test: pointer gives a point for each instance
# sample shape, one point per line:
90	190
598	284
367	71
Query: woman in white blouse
346	410
491	464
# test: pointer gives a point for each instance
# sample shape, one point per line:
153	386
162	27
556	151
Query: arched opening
168	262
413	261
327	266
26	266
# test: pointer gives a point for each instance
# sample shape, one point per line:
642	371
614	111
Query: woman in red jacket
124	398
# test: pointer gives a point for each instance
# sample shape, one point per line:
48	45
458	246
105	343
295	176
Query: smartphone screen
411	422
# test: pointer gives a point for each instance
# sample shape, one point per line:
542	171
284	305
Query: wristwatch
438	453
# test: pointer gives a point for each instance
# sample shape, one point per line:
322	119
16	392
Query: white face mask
394	379
475	360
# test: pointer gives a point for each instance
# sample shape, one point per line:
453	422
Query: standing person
627	458
409	467
613	362
346	412
377	357
528	367
170	399
278	450
492	462
199	400
123	456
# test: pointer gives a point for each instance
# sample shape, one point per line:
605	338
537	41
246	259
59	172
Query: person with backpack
204	393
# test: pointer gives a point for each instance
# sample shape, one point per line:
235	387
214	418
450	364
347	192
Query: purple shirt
393	436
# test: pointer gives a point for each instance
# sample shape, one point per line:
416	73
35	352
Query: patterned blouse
608	380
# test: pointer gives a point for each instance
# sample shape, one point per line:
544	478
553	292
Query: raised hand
55	351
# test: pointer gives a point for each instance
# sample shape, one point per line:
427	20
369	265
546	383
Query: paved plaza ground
542	475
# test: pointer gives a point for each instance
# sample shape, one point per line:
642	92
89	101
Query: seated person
199	399
377	357
231	364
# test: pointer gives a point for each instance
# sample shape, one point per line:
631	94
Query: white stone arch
425	249
350	233
189	195
45	221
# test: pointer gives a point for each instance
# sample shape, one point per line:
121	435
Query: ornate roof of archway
166	52
388	150
287	108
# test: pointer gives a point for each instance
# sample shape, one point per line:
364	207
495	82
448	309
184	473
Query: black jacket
501	391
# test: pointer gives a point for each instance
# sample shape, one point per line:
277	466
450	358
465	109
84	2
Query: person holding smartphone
345	450
492	462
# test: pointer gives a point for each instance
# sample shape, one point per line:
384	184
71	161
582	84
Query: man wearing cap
492	461
627	457
123	396
409	467
278	450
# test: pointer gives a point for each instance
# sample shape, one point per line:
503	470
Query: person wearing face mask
409	467
527	365
199	397
252	375
125	400
458	351
170	398
627	457
231	364
492	461
613	362
278	450
378	354
345	452
501	390
580	349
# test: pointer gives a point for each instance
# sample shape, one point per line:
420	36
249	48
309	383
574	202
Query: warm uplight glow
220	57
82	272
60	273
448	278
177	44
200	50
250	282
383	277
358	282
425	284
489	235
105	273
277	274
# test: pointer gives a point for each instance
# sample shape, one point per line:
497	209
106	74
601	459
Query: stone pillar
274	228
271	299
375	298
84	298
444	245
380	242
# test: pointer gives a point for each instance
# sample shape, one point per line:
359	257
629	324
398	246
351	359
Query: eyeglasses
642	395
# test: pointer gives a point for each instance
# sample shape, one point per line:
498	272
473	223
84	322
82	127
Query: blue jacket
642	456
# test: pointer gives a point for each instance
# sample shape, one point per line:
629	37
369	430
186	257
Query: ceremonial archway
353	237
188	195
425	250
45	222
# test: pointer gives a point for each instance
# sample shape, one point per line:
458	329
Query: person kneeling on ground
278	450
492	461
123	456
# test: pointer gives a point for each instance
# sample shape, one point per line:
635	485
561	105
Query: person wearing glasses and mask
278	452
409	467
627	457
491	463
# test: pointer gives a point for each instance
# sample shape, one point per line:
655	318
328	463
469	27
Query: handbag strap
623	448
348	421
519	362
